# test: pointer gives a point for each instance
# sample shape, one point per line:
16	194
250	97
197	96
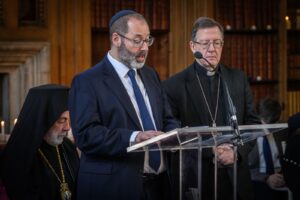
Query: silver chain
206	102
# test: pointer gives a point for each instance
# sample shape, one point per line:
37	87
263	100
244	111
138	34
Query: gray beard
55	140
136	65
128	58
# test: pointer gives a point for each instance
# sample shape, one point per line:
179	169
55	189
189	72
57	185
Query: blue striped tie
154	156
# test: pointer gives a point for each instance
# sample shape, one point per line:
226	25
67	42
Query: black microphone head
198	55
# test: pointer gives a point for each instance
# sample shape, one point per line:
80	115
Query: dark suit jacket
103	119
291	163
189	107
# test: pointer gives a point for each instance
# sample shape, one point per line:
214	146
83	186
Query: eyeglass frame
209	42
148	41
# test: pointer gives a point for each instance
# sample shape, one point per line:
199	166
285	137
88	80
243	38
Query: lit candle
2	127
15	121
288	22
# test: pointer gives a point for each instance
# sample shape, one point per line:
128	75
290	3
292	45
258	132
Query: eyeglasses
206	44
139	42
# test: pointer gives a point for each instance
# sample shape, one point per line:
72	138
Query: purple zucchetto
120	14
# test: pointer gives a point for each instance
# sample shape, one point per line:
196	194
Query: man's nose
67	125
145	46
211	46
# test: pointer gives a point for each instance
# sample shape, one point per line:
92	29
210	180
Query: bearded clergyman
39	162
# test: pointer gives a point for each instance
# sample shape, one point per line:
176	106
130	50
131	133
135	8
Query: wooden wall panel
182	16
72	39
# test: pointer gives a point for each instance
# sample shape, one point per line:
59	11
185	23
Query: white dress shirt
274	152
122	71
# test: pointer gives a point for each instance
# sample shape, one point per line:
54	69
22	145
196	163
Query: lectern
188	138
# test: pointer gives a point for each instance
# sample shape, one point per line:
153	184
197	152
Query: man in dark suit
197	97
117	102
265	158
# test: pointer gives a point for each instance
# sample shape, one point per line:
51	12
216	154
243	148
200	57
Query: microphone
199	55
232	110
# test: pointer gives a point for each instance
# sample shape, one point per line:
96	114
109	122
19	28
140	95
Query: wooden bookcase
292	32
157	13
293	44
251	41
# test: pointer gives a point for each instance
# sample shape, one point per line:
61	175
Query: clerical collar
202	70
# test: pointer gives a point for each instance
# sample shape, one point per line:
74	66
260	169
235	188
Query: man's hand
225	154
275	180
142	136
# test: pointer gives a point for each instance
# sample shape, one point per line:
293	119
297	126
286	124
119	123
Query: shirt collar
120	68
202	70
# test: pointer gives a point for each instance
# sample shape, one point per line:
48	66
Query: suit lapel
112	80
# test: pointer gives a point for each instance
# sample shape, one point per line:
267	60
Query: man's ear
192	46
116	39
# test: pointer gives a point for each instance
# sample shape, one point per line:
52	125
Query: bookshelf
292	51
293	44
251	41
157	13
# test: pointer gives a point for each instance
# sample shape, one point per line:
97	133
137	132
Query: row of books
294	66
294	60
293	41
255	54
248	14
260	91
294	73
155	11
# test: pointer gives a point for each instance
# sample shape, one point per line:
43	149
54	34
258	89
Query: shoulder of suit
95	70
148	68
182	75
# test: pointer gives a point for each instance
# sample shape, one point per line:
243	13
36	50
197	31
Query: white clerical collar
210	73
204	71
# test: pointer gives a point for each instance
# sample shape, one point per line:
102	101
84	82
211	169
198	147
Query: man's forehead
209	33
138	27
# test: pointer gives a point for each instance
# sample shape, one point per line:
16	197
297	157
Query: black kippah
120	14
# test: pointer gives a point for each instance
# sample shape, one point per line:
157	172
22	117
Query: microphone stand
236	140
